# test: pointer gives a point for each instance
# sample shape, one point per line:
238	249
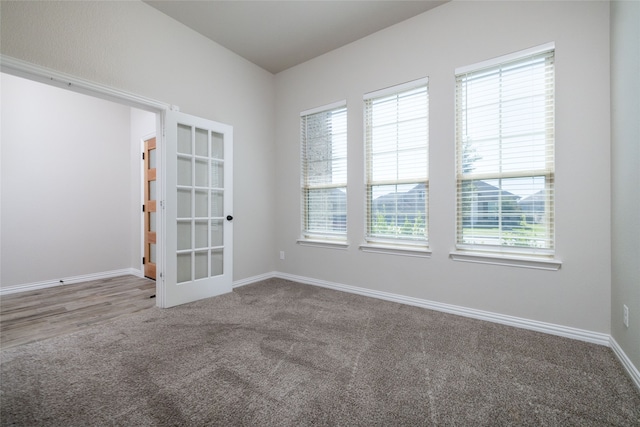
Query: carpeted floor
286	354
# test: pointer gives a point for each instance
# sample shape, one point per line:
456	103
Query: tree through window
324	172
505	154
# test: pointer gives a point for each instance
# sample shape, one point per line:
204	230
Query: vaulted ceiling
277	35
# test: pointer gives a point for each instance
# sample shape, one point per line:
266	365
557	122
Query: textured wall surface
66	187
625	171
433	45
133	47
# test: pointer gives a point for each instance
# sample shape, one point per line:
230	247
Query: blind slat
396	135
324	171
505	154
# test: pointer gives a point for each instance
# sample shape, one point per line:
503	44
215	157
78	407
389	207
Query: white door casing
197	209
169	292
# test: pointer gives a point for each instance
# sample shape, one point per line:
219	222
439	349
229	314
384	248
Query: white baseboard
534	325
626	362
548	328
254	279
69	280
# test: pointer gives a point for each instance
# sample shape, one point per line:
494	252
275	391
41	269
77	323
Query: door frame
29	71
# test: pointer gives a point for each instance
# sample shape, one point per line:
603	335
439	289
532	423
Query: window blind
505	155
396	140
324	172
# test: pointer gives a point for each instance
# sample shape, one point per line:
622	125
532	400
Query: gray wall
133	47
625	172
434	44
66	184
71	184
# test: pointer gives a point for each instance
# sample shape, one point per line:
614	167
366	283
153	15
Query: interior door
150	208
197	209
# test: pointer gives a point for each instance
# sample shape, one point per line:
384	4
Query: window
324	172
396	135
505	154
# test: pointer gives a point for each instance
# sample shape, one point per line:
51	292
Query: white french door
197	208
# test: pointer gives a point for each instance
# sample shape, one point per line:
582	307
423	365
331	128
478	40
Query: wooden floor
36	315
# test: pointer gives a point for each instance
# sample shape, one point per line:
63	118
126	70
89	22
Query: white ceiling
277	35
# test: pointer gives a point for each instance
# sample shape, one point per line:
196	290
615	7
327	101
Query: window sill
323	243
507	260
413	251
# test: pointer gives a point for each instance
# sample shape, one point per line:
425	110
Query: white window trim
541	263
404	250
323	108
397	88
395	247
323	243
506	58
512	259
318	240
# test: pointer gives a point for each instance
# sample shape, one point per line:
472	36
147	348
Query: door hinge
142	156
142	208
143	260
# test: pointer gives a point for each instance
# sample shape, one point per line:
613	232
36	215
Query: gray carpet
286	354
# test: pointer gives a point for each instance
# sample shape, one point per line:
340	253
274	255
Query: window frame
503	254
418	247
314	237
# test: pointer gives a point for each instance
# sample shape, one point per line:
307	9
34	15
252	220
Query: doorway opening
85	151
194	235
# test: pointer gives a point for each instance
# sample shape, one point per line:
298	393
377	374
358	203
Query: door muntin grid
200	203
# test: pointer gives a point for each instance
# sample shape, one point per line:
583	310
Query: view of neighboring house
483	211
533	207
488	204
401	207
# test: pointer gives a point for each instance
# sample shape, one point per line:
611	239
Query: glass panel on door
200	203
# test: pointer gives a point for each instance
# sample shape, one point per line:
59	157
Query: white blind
505	155
397	134
324	172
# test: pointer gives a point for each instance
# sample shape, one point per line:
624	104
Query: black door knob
229	217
